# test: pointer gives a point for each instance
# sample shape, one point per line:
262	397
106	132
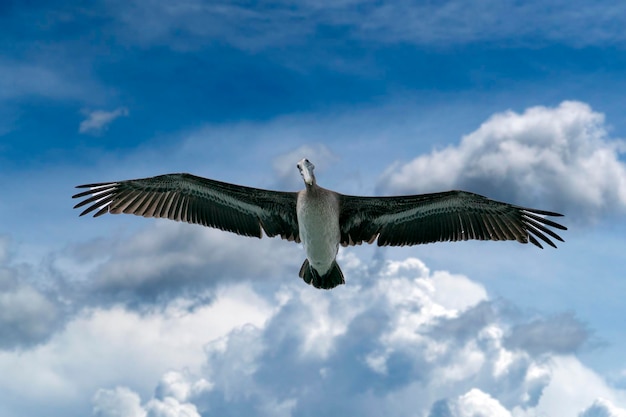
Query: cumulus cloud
560	158
384	347
122	401
117	402
474	403
100	349
392	341
603	408
574	388
170	407
170	399
28	315
558	334
98	120
168	260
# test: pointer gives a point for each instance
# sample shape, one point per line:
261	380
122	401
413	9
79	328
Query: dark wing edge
440	217
242	210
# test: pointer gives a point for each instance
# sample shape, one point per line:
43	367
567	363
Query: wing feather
447	216
184	197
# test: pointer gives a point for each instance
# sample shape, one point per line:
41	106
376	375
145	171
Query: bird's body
318	225
319	218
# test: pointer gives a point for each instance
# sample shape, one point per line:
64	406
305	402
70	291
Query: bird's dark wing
438	217
185	197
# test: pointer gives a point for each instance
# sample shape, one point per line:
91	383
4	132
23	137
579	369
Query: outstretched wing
185	197
438	217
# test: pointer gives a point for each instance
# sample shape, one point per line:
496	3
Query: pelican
321	219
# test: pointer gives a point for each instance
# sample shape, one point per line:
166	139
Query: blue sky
126	316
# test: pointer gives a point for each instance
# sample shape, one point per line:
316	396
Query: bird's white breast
318	223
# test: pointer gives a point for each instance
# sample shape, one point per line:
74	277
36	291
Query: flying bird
321	219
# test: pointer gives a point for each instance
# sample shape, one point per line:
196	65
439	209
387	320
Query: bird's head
306	170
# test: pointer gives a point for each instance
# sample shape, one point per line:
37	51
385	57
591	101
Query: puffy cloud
99	120
558	334
118	402
104	348
384	345
560	158
603	408
392	341
28	315
123	402
170	399
176	385
474	403
455	292
167	260
574	388
170	407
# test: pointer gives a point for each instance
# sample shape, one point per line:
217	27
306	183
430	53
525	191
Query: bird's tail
331	279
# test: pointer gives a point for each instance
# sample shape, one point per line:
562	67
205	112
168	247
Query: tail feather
331	279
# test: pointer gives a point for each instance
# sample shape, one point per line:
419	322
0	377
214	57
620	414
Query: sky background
124	316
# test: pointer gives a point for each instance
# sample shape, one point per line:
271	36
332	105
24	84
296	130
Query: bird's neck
312	188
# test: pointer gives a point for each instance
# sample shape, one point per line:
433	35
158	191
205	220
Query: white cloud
169	259
104	348
404	338
123	402
177	385
574	388
581	387
476	403
118	402
456	292
28	315
384	346
560	158
603	408
170	407
558	334
99	120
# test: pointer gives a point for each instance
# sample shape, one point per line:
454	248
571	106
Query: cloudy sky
133	317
